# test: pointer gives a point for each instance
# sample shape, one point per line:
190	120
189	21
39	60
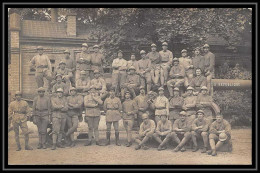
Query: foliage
226	72
236	106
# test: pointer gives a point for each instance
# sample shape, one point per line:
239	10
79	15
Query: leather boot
53	146
108	138
117	139
27	146
17	140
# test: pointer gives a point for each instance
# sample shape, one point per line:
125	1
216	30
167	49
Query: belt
20	112
112	109
41	110
164	61
42	66
160	108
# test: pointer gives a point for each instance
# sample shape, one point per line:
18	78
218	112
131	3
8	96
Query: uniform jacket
41	61
166	56
18	111
112	107
75	104
41	106
141	102
161	104
177	70
91	105
99	84
209	61
164	127
130	107
85	65
143	127
204	123
59	107
179	124
144	65
224	125
119	64
198	62
133	79
154	57
185	62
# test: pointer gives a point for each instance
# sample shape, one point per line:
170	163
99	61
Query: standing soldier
43	68
198	61
181	128
220	131
164	128
82	82
92	103
177	75
189	104
18	112
132	62
209	58
41	116
175	105
129	112
97	60
83	61
119	66
71	65
144	66
204	102
186	62
200	127
133	82
75	103
166	61
142	105
60	84
155	58
113	109
161	105
198	81
59	113
146	132
99	83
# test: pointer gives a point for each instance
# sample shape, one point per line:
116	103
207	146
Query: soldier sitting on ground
146	132
164	127
200	127
220	131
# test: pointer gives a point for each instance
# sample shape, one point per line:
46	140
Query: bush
236	106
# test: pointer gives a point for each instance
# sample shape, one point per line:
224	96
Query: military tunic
198	62
85	63
132	63
196	123
175	107
112	107
166	127
61	85
97	61
179	124
150	125
166	56
99	84
161	105
119	72
198	81
129	109
75	104
144	67
204	103
176	74
215	126
82	85
209	60
186	62
92	106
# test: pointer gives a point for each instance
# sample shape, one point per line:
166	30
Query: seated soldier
198	81
81	83
176	74
220	131
146	132
181	128
65	72
129	111
204	102
164	127
175	105
99	83
133	82
200	127
60	84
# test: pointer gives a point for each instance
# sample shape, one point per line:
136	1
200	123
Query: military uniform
155	59
43	69
59	116
82	84
132	83
176	74
83	63
60	85
75	103
204	103
129	111
71	65
161	105
97	61
41	116
175	107
18	112
162	130
132	63
142	106
186	62
119	73
197	82
203	132
92	104
144	66
198	62
99	84
190	104
166	61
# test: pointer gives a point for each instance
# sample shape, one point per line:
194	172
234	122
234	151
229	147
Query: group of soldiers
77	88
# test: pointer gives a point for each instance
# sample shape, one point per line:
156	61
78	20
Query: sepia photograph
130	86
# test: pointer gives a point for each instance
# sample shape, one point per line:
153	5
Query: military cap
200	111
62	62
96	71
96	46
196	48
222	137
183	50
18	93
141	87
84	45
175	59
176	89
72	88
66	51
183	113
41	89
161	88
57	75
59	90
153	45
83	72
120	51
39	47
142	52
132	68
190	88
133	53
127	92
203	88
145	116
165	44
205	45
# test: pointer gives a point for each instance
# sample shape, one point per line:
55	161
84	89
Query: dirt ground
121	155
